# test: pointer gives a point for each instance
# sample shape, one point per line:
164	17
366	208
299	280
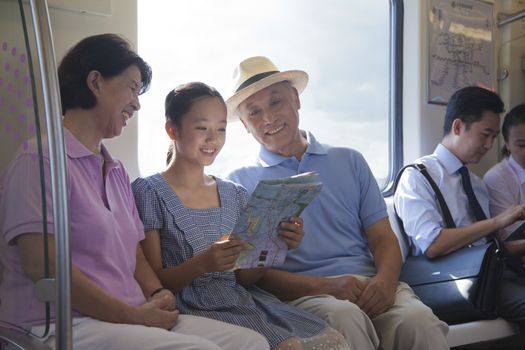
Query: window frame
396	95
392	109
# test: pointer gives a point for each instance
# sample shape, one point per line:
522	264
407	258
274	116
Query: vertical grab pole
55	136
396	93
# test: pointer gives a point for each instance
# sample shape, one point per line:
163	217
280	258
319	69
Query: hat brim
297	78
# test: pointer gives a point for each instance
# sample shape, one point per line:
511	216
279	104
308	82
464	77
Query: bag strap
449	222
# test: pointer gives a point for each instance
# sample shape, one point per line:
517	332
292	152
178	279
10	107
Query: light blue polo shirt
350	201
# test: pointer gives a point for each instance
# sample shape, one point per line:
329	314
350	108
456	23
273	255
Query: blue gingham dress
186	232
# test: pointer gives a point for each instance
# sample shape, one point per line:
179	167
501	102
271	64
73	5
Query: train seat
11	340
464	333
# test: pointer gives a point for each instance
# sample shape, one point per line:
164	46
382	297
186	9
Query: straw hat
256	73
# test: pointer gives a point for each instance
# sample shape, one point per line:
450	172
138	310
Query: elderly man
346	269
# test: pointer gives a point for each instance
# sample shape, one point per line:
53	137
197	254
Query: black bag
461	286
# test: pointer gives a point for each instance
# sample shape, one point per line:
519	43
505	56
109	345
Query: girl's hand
291	231
221	255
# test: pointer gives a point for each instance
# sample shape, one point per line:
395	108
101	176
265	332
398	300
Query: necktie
473	201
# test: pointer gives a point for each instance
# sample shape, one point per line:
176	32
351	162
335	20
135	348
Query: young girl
187	216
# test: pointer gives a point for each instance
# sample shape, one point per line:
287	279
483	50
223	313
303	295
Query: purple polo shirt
104	227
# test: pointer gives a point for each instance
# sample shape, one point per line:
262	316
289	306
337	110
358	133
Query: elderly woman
117	299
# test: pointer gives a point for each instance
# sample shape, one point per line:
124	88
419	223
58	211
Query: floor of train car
509	343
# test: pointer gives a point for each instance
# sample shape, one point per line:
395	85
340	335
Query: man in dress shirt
347	267
471	124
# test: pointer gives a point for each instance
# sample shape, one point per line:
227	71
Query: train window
343	45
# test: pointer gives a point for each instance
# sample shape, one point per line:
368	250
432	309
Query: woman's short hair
109	54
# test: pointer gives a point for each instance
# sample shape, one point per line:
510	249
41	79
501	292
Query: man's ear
295	95
457	126
93	81
171	130
245	125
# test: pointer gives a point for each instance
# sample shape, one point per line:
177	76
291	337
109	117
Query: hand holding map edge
291	231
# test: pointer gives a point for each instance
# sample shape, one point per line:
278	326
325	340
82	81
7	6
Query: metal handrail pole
57	159
511	18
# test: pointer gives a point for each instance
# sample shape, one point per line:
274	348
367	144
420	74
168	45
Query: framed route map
460	47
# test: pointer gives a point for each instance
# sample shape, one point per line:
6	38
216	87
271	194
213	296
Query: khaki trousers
407	325
190	333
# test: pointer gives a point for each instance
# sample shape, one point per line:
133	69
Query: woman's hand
154	313
168	297
220	256
291	231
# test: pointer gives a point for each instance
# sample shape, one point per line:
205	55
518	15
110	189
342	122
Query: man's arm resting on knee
385	248
379	293
290	286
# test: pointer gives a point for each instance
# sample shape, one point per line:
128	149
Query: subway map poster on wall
460	47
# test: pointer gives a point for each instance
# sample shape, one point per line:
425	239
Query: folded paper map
271	202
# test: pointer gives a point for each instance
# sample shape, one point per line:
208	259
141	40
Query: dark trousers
512	296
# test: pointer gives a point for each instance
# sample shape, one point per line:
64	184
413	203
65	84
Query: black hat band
255	78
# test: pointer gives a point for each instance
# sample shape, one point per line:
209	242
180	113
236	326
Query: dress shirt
417	204
506	184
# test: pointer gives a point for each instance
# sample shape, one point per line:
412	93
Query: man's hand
291	231
377	297
344	288
510	216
